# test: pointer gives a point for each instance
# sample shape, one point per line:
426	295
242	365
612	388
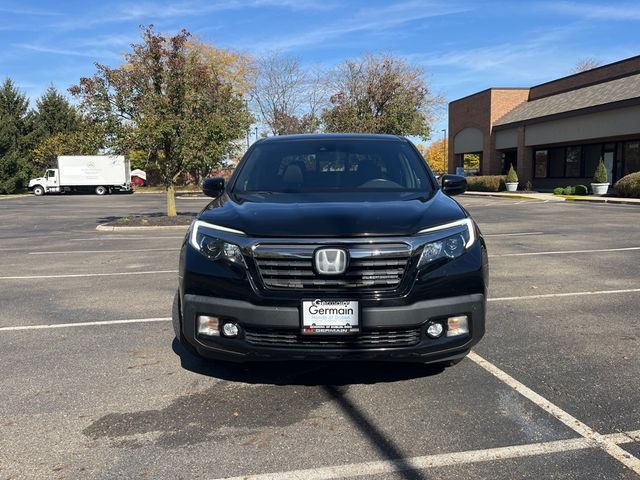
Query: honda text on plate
335	246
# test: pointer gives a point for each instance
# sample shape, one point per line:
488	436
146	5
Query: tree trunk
171	201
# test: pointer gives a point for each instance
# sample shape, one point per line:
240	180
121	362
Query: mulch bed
152	220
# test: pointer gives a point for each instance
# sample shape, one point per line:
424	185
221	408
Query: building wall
610	123
506	138
503	100
468	112
480	111
597	75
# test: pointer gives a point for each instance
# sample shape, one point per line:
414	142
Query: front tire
38	191
100	190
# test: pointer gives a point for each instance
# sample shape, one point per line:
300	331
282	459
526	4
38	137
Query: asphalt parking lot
92	386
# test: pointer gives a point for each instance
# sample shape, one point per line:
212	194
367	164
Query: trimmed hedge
571	190
580	190
486	183
629	186
512	176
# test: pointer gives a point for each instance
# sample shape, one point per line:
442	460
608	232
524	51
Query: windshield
333	165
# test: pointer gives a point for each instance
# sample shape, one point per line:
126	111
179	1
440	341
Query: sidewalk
550	197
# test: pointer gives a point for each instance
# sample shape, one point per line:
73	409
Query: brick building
554	133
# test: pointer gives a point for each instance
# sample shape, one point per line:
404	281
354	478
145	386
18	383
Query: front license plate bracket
330	317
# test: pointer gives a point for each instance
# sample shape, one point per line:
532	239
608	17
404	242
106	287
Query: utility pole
444	150
256	133
246	105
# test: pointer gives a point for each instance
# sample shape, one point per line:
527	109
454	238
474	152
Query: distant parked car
138	177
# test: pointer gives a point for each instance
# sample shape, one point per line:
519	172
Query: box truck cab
100	174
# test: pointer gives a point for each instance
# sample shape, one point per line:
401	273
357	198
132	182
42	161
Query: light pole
444	149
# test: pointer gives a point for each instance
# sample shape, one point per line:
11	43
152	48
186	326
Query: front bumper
413	317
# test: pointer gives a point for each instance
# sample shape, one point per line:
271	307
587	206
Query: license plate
330	317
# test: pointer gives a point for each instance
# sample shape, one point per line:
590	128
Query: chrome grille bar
373	266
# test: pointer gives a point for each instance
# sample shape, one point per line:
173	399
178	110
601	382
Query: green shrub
569	190
485	183
512	176
558	191
600	175
629	185
580	190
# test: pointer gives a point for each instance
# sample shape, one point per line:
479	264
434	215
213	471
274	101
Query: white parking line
595	438
518	234
564	252
125	237
69	252
77	275
84	324
567	294
497	299
438	460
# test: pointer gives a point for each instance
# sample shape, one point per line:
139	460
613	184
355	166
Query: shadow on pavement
305	373
333	380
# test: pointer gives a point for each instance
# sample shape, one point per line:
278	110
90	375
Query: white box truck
89	173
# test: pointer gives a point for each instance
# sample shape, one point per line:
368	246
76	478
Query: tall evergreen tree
54	115
59	129
14	126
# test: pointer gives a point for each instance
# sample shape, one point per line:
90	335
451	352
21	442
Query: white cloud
64	51
369	19
597	11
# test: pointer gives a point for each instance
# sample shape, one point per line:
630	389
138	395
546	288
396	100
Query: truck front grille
371	266
369	339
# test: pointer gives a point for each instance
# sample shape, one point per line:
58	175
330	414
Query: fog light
434	330
230	329
208	325
457	325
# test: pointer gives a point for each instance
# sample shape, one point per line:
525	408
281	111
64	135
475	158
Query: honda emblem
330	261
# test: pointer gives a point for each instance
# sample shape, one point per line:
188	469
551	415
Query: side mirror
453	184
213	187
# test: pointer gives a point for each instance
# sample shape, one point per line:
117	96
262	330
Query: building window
631	157
572	162
556	162
592	155
471	163
541	163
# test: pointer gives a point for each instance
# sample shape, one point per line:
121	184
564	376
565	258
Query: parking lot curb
557	198
511	195
613	201
113	228
14	195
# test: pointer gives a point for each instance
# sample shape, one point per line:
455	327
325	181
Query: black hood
331	214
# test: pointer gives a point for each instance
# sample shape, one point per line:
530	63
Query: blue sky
464	46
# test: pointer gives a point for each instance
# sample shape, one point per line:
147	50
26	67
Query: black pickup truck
332	246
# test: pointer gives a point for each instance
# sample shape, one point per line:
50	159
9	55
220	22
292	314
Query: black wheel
38	190
100	190
176	318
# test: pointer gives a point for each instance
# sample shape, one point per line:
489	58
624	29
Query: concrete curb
162	192
557	198
519	196
613	201
113	228
15	195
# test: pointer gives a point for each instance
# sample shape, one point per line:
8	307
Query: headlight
212	247
450	246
